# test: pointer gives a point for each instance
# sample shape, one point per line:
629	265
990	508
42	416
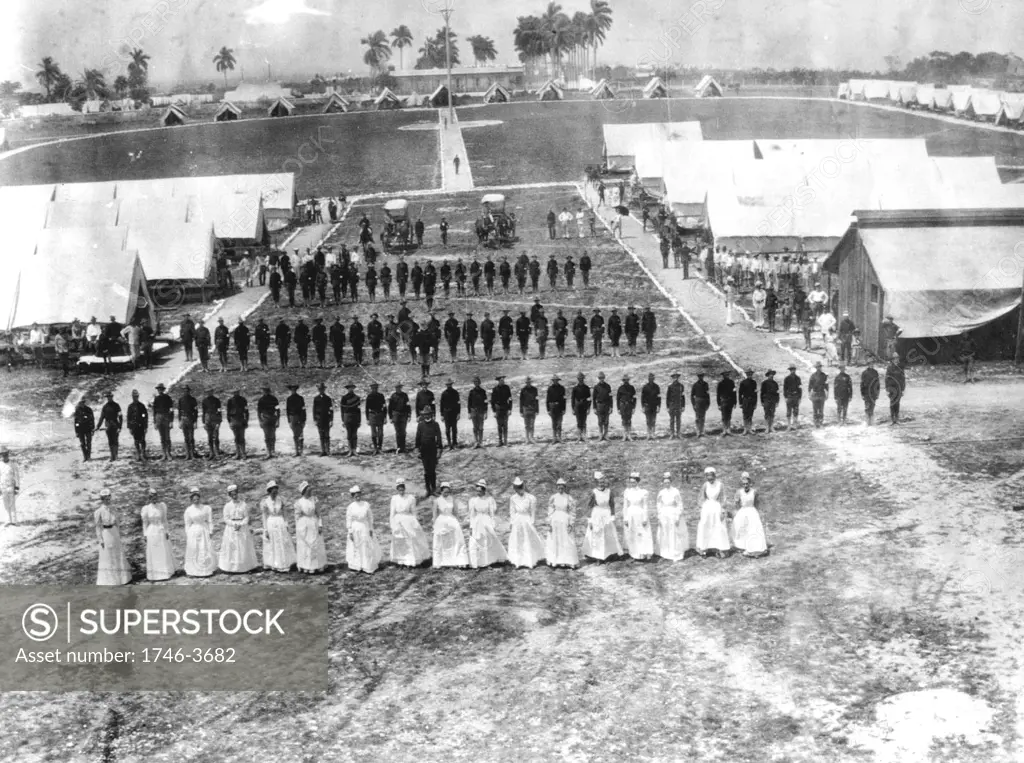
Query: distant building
465	79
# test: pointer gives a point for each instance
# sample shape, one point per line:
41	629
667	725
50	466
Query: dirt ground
882	626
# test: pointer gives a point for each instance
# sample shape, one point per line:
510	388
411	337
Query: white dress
237	547
113	566
561	547
449	540
310	553
485	546
362	551
525	547
712	531
601	540
159	555
409	544
673	536
200	561
747	529
278	549
636	521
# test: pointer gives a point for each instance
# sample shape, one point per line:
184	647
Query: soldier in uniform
211	422
725	395
221	336
474	276
402	277
842	389
262	335
188	417
585	266
552	270
268	413
356	338
540	331
501	405
452	334
163	418
323	417
416	278
489	272
560	328
336	335
424	397
392	334
529	406
451	410
632	330
604	403
423	342
295	413
375	336
302	340
700	399
138	423
111	420
555	403
488	332
523	329
429	444
650	401
648	325
580	400
614	331
241	337
769	398
319	337
579	332
505	274
748	400
675	402
870	387
506	329
376	414
283	339
351	418
238	420
203	342
597	331
434	331
792	391
187	334
85	425
399	412
470	332
625	401
569	270
476	404
817	388
895	386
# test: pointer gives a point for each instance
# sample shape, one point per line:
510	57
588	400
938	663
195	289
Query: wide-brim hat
350	385
710	470
634	475
518	482
446	485
193	491
161	387
303	486
355	490
481	483
271	485
791	368
231	489
105	493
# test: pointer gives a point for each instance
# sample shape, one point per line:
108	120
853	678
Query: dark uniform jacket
283	334
295	408
451	405
350	413
748	393
501	399
398	405
870	386
163	405
376	407
700	393
85	423
792	387
238	411
424	398
817	385
725	393
625	398
262	335
211	411
529	399
650	397
597	325
580	398
555	398
110	414
428	438
602	396
769	392
675	396
842	386
138	416
267	408
188	408
476	401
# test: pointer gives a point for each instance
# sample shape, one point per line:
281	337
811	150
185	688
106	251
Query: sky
300	37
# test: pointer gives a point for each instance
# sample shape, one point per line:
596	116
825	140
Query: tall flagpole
447	12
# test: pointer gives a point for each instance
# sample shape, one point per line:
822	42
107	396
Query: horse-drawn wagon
397	235
496	227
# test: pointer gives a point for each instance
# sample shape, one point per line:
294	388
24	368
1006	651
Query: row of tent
983	104
656	88
80	249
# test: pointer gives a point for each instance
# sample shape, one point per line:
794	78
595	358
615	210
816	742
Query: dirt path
452	146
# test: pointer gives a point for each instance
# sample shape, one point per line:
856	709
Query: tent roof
942	98
24	207
151	212
80	214
157	188
335	99
985	103
968	171
961	99
385	95
844	89
876	88
628	141
227	106
550	85
907	94
234	213
602	88
707	82
493	198
173	251
896	88
845	151
89	239
925	190
1013	110
495	87
857	87
923	94
176	111
653	85
86	192
690	168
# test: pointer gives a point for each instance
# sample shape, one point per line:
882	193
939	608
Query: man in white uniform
10	484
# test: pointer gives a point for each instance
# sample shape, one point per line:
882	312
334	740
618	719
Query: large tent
655	89
971	172
86	192
155	188
439	98
942	99
984	104
923	96
899	89
335	104
907	96
281	107
691	168
623	142
844	91
856	89
844	151
175	253
227	112
602	91
387	100
876	89
146	212
497	93
81	214
708	87
1012	110
173	117
961	100
549	91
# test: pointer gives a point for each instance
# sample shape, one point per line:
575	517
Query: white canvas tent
622	142
844	151
549	91
691	168
497	93
24	207
898	88
602	91
157	188
856	89
147	212
81	214
907	95
985	104
923	95
335	104
387	100
48	110
179	253
942	99
970	172
236	215
844	91
86	192
173	116
708	87
961	100
876	89
655	89
227	112
1012	110
281	107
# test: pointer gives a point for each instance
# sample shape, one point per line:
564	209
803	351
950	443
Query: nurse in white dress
485	546
712	531
310	552
525	547
673	536
200	561
636	519
113	566
362	551
747	528
237	547
409	544
449	540
601	540
561	546
159	554
278	548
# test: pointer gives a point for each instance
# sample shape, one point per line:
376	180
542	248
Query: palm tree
225	61
483	48
121	85
558	33
377	50
48	75
9	88
599	22
401	38
140	60
580	42
529	39
94	82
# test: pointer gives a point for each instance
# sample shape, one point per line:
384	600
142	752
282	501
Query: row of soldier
402	334
398	409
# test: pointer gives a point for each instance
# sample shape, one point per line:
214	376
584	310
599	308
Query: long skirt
159	555
113	566
362	551
310	553
673	537
525	547
449	543
712	532
601	540
237	550
278	549
409	544
485	547
200	561
748	532
561	548
639	538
